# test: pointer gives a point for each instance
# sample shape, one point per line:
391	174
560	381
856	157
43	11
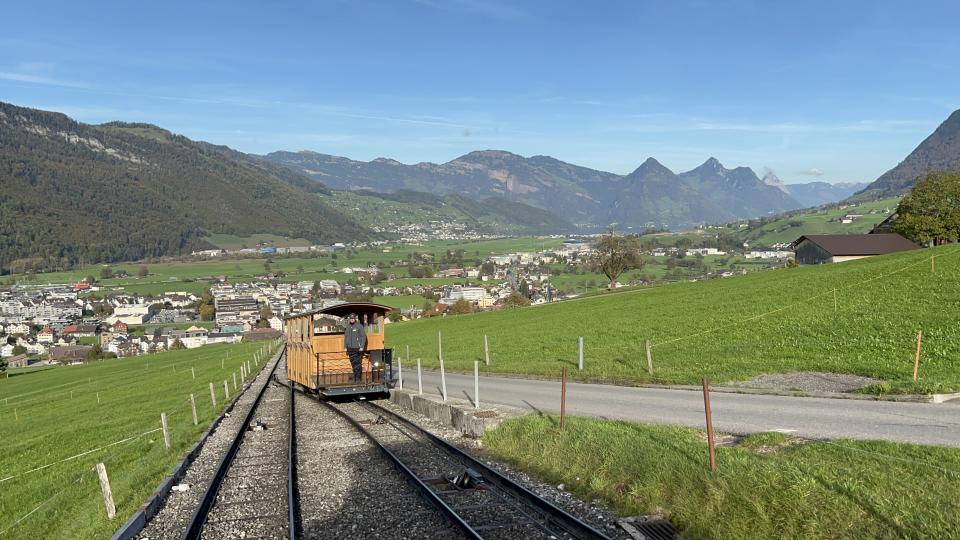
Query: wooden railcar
317	360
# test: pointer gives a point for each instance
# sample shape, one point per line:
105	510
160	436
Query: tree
95	352
3	368
263	323
90	280
460	307
614	254
106	272
930	213
266	313
177	345
207	312
143	271
19	349
515	300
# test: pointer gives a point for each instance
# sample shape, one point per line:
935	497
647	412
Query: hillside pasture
56	424
730	329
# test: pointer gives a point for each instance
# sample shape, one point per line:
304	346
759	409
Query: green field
766	486
789	228
51	416
229	241
730	329
401	302
180	276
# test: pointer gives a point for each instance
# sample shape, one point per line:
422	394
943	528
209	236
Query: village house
19	361
45	335
832	248
68	354
191	338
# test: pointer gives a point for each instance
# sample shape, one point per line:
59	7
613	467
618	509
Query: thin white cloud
31	78
811	172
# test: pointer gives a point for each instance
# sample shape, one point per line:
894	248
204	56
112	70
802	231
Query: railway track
476	499
251	493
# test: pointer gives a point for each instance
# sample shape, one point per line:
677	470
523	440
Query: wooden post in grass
563	397
234	381
16	415
649	357
580	354
440	348
193	373
98	398
443	380
419	378
400	373
166	432
916	358
486	349
107	492
706	408
226	389
193	409
476	384
213	396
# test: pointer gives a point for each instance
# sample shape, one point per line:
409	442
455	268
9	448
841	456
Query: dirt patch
808	381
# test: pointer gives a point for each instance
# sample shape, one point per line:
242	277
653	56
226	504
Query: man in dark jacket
355	341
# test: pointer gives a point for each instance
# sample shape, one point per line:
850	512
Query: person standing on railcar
355	341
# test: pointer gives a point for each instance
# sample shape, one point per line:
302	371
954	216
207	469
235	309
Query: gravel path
808	381
175	514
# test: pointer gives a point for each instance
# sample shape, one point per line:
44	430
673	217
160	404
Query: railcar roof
342	310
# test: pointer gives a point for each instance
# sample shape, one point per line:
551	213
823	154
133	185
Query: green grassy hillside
51	416
819	221
730	329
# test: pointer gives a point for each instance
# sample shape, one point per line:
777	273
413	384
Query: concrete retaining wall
458	414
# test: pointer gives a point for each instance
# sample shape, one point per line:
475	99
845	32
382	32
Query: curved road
820	418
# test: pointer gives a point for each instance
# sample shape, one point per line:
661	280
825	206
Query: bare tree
614	254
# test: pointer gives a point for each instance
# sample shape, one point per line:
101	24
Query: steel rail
429	494
199	517
293	499
570	524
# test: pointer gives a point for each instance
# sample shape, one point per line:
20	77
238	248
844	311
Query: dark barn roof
859	244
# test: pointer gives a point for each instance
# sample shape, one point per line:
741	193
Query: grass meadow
857	317
57	423
768	485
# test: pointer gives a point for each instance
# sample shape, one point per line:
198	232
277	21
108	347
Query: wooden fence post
213	395
440	347
400	373
649	358
443	380
706	408
193	373
476	384
193	409
580	354
486	349
226	389
107	492
563	397
419	378
166	432
234	381
916	359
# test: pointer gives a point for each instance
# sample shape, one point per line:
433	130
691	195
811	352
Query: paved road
732	413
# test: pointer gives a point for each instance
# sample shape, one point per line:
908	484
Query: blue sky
837	91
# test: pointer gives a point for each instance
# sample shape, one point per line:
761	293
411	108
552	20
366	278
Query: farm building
832	248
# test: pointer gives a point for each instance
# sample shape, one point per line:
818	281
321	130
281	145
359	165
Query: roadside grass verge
767	486
732	329
52	416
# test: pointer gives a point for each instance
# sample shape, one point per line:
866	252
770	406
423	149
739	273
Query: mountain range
651	195
77	192
120	191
